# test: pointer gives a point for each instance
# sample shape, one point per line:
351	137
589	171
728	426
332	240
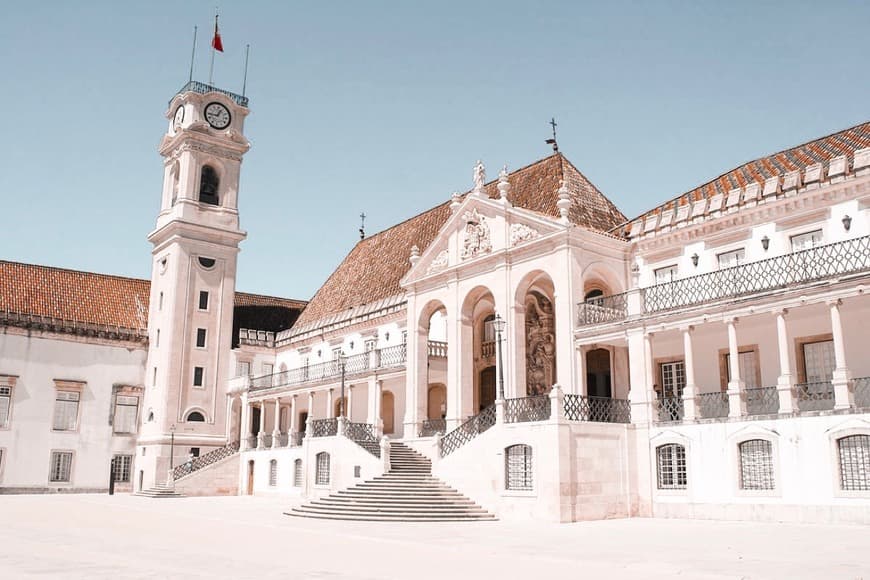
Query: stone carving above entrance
540	344
522	233
476	240
439	263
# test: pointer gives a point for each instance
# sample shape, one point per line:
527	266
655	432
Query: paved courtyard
90	536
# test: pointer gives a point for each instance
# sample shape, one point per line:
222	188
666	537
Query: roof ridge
74	271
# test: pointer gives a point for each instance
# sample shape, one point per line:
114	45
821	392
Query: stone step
392	502
429	518
398	510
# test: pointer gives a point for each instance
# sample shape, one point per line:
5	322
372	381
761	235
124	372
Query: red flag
216	41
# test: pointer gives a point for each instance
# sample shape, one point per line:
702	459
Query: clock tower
194	249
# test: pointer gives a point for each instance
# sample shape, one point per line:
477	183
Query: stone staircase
159	490
407	493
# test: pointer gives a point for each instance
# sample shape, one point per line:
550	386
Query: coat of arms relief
476	240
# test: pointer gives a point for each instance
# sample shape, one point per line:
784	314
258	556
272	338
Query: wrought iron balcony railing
861	391
784	271
251	442
387	357
668	409
470	429
430	427
712	405
603	309
762	401
203	88
596	409
815	396
359	431
527	409
324	427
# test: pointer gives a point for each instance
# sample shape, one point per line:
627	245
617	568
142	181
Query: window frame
738	253
239	364
725	369
673	269
51	469
68	389
322	473
525	463
674	462
738	467
207	295
203	334
117	403
809	235
298	474
6	422
273	473
129	467
836	463
201	384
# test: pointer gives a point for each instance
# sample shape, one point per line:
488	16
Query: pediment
478	227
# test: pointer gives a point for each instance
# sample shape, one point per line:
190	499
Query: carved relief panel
540	344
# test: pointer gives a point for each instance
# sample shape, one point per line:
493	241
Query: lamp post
499	324
342	359
172	447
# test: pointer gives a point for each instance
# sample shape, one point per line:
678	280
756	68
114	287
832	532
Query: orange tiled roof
373	268
820	150
87	297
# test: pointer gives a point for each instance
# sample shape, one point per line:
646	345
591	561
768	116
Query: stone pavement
91	536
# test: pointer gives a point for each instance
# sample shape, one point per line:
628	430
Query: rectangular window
157	340
819	361
66	410
268	368
731	259
806	241
671	463
200	338
122	465
756	465
5	406
666	274
273	473
126	411
198	373
518	468
203	300
673	379
854	462
748	364
61	466
160	302
154	377
243	368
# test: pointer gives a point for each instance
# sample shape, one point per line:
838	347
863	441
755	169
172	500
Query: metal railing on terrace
712	405
526	409
861	392
596	409
780	272
203	88
383	358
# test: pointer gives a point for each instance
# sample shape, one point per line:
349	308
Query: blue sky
384	107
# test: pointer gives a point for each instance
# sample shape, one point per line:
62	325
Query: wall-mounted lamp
765	243
695	260
847	222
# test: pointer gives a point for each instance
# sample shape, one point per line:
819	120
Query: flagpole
192	55
245	78
211	66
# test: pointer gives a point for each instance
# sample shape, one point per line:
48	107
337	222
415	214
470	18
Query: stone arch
209	184
195	415
436	401
477	349
599	279
535	334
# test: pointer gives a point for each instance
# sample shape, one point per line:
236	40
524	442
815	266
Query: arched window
593	294
321	477
209	183
671	466
273	473
518	467
756	465
195	417
854	462
297	473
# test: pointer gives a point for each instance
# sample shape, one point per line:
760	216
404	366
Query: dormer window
208	185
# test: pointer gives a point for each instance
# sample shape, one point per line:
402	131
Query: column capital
834	302
686	328
779	311
731	319
294	395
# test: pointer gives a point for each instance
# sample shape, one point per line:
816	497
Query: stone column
310	414
565	313
690	408
261	432
245	426
349	403
785	381
640	376
276	428
330	409
843	397
735	385
377	389
293	428
581	387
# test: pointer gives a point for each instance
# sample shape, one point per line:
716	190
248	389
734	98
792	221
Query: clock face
217	115
179	117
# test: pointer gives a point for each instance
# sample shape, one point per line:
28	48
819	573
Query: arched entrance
486	388
598	373
250	490
388	411
436	404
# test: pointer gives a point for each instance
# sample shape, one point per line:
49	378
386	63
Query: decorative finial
504	186
479	177
362	226
564	202
455	201
553	140
415	255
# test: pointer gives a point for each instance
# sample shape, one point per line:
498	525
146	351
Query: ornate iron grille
273	473
207	459
861	390
756	464
518	467
267	440
359	431
854	462
815	396
668	409
297	473
603	309
596	409
356	363
321	475
281	440
762	401
324	427
394	355
294	439
712	405
526	409
671	464
430	427
470	429
780	272
251	442
202	88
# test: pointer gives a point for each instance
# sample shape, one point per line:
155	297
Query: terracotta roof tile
373	268
92	298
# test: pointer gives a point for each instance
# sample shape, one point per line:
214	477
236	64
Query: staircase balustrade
596	409
527	409
324	427
603	309
467	431
209	458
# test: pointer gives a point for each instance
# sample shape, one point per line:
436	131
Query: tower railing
203	88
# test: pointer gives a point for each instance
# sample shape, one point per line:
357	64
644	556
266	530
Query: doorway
598	373
388	412
486	388
250	478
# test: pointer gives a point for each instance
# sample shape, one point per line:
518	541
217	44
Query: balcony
203	88
384	358
781	272
250	337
